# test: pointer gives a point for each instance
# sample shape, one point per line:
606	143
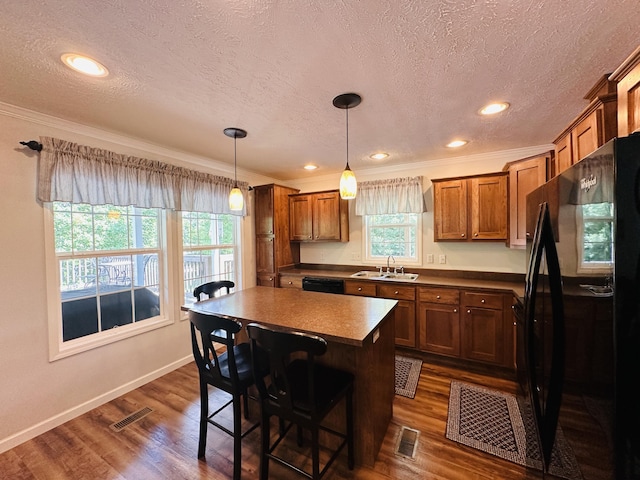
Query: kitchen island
360	335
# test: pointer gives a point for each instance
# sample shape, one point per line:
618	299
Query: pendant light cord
347	110
235	161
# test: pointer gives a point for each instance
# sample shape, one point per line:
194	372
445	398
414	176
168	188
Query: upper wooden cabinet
273	249
471	208
628	94
596	125
525	175
318	217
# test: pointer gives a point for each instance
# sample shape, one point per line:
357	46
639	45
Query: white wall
35	394
481	256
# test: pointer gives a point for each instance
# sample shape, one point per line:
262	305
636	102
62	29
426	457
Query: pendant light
348	184
236	202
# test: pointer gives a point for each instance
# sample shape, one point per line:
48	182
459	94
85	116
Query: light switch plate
429	257
443	259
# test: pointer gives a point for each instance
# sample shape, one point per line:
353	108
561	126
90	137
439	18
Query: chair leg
264	446
315	452
245	398
237	437
204	413
350	458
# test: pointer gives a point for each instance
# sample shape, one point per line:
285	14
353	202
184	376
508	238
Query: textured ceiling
183	70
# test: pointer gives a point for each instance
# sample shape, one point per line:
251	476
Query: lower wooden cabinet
470	325
266	280
405	320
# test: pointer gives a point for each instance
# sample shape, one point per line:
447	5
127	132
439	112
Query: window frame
60	349
236	248
404	261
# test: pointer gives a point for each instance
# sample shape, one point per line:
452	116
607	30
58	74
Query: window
109	270
395	234
595	237
209	249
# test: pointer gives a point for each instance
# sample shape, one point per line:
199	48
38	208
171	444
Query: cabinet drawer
287	281
366	289
482	300
396	292
448	296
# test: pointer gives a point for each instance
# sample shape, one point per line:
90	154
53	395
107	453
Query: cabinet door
265	254
326	216
629	102
564	154
450	210
587	135
263	197
439	328
489	208
406	323
300	215
524	177
483	335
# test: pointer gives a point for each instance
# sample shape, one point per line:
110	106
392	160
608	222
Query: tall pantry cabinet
273	248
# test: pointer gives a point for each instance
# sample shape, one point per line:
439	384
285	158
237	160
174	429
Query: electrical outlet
355	256
443	259
429	257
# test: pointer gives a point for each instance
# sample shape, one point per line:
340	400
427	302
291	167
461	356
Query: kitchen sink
389	276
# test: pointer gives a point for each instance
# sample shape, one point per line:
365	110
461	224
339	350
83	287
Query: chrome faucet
389	258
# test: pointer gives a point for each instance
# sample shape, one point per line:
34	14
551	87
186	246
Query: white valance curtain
69	172
395	195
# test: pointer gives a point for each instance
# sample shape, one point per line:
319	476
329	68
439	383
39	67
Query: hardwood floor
163	445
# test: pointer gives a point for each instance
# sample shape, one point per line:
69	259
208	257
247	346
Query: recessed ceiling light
457	143
494	108
310	167
379	156
85	65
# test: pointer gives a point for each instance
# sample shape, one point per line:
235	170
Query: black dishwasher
319	284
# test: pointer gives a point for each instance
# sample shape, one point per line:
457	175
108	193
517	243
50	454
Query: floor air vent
129	419
407	442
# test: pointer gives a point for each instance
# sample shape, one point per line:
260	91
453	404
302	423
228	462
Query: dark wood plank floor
163	444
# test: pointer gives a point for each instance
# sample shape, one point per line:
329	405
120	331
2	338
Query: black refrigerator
579	339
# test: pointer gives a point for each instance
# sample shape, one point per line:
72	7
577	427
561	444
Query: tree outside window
392	234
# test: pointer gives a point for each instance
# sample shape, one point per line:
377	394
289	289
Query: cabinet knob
310	236
528	234
462	234
290	283
271	239
475	234
455	310
317	236
359	289
482	301
438	297
468	311
270	279
270	231
396	292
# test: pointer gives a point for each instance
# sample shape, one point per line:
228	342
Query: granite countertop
492	282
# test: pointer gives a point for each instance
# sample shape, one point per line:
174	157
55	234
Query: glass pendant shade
348	184
236	201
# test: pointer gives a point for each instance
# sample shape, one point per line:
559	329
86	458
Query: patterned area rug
493	422
407	375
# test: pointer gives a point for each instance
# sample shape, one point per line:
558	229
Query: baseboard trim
46	425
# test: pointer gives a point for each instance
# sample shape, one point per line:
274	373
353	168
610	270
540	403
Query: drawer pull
455	310
438	297
290	283
468	311
359	289
482	301
396	292
462	235
475	234
309	236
